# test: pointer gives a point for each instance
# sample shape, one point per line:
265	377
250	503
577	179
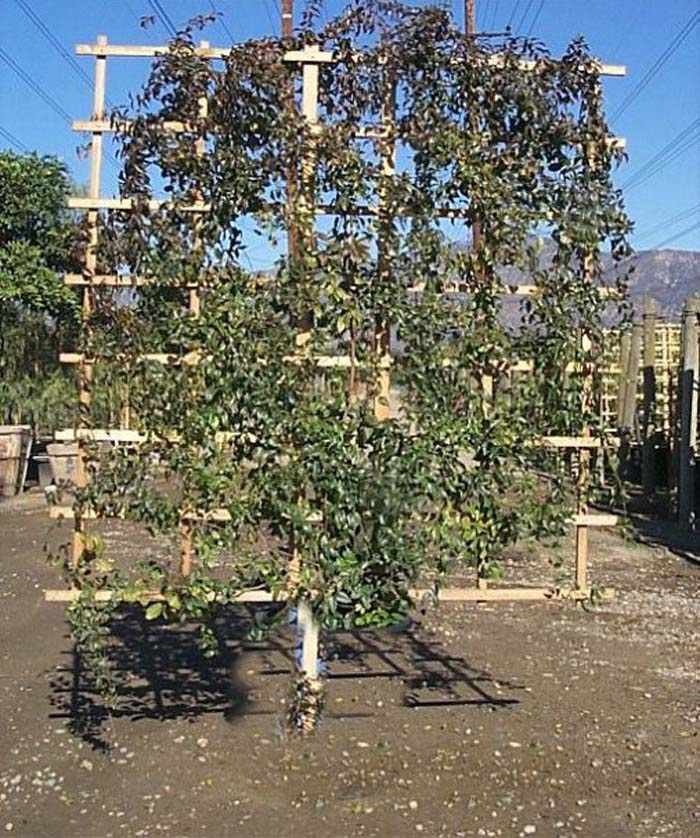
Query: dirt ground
475	720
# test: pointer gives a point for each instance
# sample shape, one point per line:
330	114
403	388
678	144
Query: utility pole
287	18
470	16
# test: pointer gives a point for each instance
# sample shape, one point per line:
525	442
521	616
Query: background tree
38	236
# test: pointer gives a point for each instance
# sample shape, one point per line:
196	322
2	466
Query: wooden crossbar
305	56
193	358
223	516
366	132
127	280
418	595
119	281
123	435
321	361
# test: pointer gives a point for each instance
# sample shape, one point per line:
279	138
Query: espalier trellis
344	431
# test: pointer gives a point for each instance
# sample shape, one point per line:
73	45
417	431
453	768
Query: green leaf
154	610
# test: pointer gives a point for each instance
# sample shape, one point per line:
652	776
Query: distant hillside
668	276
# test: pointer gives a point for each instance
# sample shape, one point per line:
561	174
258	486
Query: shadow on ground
162	673
660	532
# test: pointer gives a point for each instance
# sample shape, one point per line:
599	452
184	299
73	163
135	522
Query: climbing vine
243	418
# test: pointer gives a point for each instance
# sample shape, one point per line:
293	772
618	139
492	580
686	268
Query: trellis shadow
428	674
162	673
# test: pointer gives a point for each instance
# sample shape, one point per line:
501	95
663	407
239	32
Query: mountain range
669	277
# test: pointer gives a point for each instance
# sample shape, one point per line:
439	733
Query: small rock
413	804
86	764
529	829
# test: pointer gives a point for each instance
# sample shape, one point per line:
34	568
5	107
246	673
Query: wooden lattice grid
311	59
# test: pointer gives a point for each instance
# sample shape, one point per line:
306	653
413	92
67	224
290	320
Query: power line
513	13
494	14
688	130
13	140
481	14
677	236
658	64
50	101
677	146
29	81
163	16
269	16
222	22
525	14
55	43
669	222
688	145
535	18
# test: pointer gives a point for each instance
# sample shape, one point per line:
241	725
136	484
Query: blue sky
630	32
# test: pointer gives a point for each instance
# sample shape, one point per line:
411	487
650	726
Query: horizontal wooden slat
126	204
322	361
119	281
144	51
215	516
129	281
368	132
154	596
308	56
122	435
445	595
194	358
572	442
595	520
511	594
123	204
605	292
498	60
189	359
123	126
99	435
223	516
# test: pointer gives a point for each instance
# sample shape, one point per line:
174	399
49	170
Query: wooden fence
649	401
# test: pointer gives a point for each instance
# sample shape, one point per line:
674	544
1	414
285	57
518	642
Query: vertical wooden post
625	339
672	363
387	152
690	377
305	198
307	205
310	628
648	430
587	393
195	303
629	411
85	368
581	572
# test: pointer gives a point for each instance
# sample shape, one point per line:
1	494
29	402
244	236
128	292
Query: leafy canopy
293	451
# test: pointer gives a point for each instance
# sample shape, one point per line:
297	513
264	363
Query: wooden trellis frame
310	60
